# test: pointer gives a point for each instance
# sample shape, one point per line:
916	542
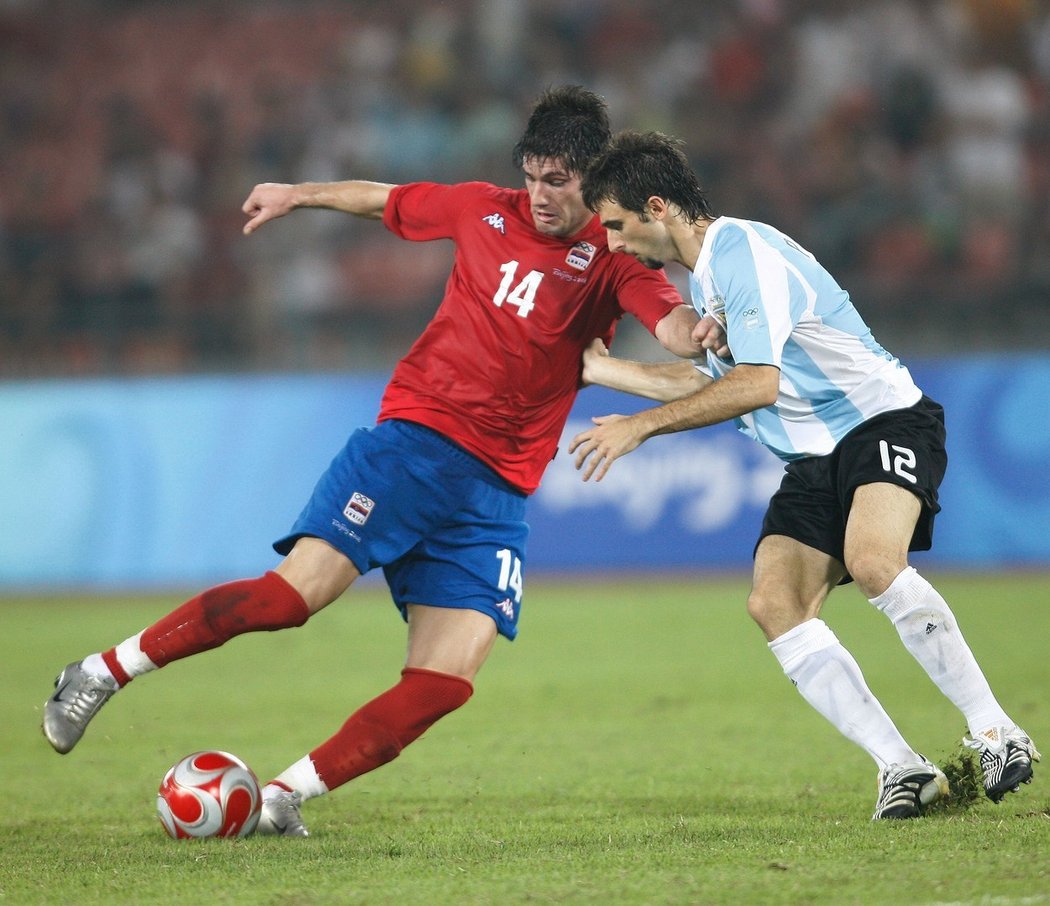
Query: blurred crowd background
906	143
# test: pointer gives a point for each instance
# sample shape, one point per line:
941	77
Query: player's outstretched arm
662	381
742	390
270	200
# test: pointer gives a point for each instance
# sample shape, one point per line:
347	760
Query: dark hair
569	123
638	165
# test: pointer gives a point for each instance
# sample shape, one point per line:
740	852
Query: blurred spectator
907	142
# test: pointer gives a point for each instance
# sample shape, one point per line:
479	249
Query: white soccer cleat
1006	756
906	789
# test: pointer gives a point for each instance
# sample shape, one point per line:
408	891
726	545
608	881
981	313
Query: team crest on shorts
580	255
359	508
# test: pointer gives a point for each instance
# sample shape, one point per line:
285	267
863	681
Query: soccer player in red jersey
435	492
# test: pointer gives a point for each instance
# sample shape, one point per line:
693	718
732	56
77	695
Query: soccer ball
209	794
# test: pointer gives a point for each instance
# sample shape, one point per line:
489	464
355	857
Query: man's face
554	195
628	233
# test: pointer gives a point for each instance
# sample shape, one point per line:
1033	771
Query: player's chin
652	263
549	227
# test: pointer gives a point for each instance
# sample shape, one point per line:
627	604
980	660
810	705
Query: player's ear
656	207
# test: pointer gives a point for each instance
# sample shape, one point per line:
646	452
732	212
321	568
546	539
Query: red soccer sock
378	731
215	616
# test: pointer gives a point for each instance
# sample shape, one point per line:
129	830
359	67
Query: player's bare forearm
708	334
681	332
356	196
661	381
270	200
744	389
675	332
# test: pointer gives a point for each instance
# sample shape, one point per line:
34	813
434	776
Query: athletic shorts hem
284	545
504	626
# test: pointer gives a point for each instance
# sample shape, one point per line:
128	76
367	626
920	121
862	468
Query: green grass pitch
637	744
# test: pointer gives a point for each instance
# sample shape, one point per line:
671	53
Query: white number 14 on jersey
523	295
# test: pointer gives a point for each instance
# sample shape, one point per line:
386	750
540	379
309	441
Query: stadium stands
906	143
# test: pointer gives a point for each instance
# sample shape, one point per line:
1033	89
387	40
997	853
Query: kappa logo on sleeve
580	255
359	508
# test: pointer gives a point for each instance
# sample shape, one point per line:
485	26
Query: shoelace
88	699
984	745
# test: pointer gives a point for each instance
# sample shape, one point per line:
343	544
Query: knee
765	612
873	571
777	611
756	606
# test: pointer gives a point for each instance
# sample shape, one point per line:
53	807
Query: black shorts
903	447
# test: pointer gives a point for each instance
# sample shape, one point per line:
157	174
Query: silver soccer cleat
906	789
281	816
1006	760
78	697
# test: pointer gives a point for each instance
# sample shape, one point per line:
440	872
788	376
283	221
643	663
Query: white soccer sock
131	658
928	629
302	778
129	655
828	677
94	665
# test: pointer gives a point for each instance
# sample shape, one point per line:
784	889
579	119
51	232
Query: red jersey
497	368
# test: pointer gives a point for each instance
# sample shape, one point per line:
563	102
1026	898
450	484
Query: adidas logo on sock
930	627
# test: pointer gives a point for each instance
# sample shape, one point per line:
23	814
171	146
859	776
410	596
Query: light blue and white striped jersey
780	307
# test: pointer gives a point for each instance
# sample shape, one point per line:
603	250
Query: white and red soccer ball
209	794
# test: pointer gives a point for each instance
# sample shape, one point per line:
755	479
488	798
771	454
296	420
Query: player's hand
596	448
709	334
267	201
591	356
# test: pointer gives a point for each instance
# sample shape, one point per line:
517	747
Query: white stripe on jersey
780	307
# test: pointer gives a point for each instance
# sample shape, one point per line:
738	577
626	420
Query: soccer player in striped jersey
864	449
435	493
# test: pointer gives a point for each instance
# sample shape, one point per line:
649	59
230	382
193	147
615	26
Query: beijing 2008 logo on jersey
359	508
580	255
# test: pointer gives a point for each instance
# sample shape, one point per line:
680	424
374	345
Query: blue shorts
447	530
